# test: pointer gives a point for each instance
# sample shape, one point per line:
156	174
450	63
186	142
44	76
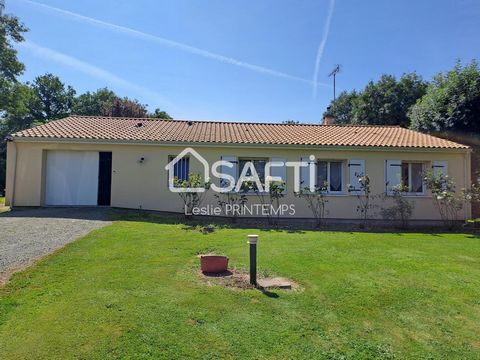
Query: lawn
132	290
2	205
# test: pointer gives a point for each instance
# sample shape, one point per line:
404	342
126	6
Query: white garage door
71	178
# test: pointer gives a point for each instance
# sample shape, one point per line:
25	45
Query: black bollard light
252	240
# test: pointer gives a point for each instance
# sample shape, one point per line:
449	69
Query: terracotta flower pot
214	263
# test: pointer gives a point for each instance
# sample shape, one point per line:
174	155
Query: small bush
447	201
402	209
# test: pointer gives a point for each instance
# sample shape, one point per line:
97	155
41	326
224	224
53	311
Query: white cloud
321	47
93	71
174	44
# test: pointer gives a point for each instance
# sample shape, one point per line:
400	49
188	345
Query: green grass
131	290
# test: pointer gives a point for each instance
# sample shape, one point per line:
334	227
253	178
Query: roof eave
218	144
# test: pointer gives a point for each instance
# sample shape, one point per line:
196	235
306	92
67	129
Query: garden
395	206
134	290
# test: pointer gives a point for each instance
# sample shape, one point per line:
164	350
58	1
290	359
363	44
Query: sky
253	60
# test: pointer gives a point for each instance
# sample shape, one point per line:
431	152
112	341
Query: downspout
10	139
468	183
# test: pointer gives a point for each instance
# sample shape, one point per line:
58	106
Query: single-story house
122	162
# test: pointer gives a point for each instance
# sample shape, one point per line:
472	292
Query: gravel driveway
29	234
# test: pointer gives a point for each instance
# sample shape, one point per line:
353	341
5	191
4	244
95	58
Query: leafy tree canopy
17	113
53	99
343	107
105	102
124	107
160	114
94	103
11	30
451	103
385	102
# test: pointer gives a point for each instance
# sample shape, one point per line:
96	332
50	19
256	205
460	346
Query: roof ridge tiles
219	121
185	131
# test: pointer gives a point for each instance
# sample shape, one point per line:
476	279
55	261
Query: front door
104	178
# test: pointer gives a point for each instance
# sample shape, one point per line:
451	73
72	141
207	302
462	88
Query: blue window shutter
280	171
393	174
356	168
440	167
232	171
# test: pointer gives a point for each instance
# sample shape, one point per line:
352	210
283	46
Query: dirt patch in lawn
240	280
234	278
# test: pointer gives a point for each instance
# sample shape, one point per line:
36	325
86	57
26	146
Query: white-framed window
412	176
331	174
407	173
258	164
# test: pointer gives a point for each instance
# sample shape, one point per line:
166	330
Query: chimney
328	118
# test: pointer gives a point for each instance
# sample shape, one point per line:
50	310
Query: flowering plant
402	209
364	198
191	199
316	202
447	200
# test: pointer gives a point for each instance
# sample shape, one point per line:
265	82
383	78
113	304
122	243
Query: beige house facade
86	161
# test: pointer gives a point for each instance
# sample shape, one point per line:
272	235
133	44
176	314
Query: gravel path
29	234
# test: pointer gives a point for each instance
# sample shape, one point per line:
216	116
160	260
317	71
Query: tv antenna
334	73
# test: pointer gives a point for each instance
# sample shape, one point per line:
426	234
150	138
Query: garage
78	178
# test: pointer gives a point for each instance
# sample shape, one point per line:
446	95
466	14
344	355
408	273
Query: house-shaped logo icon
171	166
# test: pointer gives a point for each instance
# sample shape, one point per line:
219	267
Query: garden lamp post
252	240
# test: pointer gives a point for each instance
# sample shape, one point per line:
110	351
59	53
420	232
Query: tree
105	102
290	122
451	102
14	96
124	107
385	102
17	113
16	116
94	103
53	99
343	107
160	114
11	30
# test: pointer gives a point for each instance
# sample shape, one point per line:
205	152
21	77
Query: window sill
334	194
424	196
340	194
418	196
248	193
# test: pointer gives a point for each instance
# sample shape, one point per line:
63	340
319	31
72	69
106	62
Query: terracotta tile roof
128	129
